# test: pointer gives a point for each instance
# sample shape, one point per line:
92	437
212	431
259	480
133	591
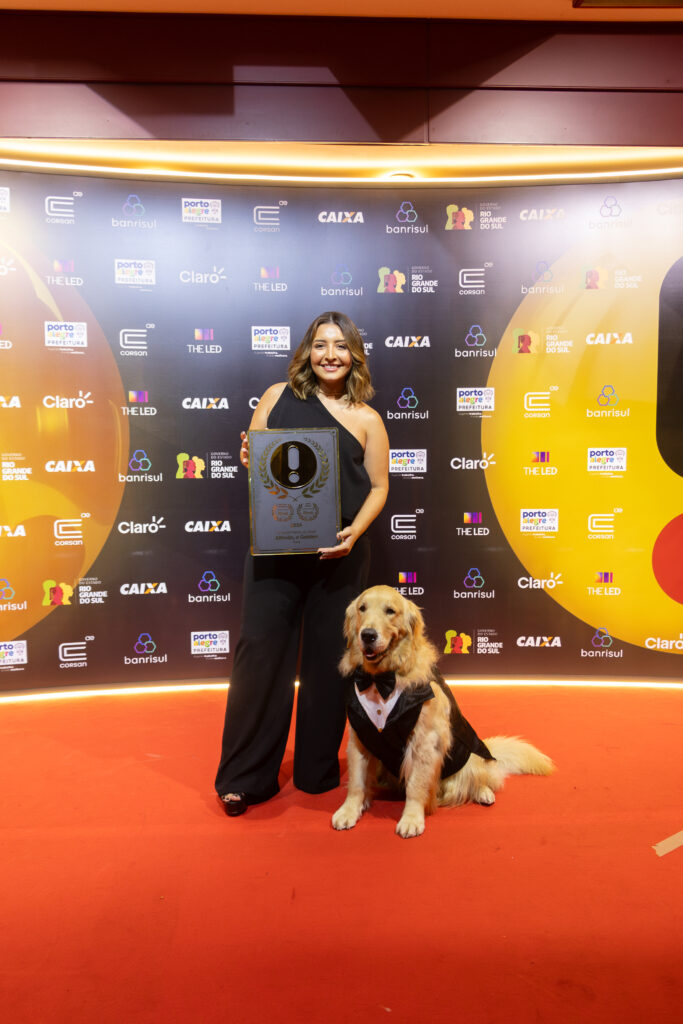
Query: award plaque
294	502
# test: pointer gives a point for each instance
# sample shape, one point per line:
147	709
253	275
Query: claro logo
461	462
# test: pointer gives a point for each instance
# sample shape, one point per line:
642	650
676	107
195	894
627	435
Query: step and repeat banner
526	345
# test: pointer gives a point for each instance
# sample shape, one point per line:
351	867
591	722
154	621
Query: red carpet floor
128	896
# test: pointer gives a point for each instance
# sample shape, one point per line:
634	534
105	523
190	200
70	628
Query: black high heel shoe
234	804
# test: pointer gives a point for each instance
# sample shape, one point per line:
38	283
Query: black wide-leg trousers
289	600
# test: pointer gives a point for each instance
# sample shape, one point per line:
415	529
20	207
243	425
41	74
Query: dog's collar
385	682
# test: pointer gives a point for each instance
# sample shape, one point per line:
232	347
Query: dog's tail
517	757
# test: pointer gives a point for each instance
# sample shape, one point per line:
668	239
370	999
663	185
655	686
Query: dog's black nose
368	636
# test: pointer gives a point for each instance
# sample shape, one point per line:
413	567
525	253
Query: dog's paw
347	816
485	795
410	825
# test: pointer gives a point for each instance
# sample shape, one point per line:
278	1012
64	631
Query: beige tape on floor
667	845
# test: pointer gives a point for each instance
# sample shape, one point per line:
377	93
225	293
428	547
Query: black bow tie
384	681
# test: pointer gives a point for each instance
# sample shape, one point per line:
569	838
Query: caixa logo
407	341
156	523
70	466
609	338
143	589
204	403
539	641
340	217
207	526
461	462
531	583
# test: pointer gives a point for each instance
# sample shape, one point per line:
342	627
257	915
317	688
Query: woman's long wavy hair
301	377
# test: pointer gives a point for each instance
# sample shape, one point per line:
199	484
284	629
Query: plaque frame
269	535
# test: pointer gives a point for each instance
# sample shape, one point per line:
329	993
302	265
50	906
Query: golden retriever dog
402	715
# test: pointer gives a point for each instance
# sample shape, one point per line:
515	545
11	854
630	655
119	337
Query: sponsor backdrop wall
527	349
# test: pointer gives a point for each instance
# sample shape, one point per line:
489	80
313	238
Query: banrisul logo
408	407
475	345
341	282
137	273
66	334
133	215
140	466
201	211
145	652
406	221
208	589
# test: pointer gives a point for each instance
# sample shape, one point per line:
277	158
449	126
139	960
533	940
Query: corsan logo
341	217
70	466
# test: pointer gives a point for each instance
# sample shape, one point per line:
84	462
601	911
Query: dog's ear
350	623
414	619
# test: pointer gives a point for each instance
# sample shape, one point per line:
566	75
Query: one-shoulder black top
290	412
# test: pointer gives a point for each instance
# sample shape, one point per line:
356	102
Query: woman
294	605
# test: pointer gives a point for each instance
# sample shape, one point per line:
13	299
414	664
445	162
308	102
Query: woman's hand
347	538
244	450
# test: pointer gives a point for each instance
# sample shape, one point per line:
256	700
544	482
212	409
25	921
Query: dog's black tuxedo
389	744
